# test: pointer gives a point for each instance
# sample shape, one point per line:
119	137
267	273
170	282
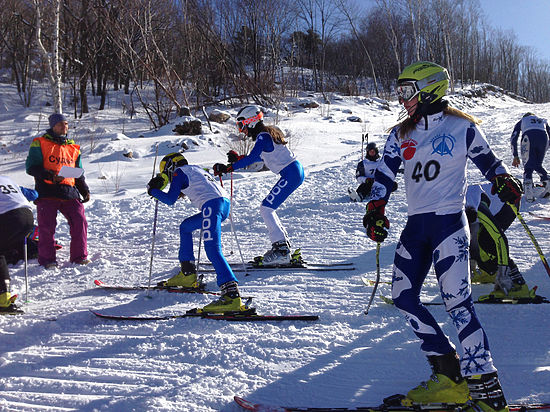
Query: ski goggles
408	89
243	124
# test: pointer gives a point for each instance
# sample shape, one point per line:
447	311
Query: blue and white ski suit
535	135
280	160
435	155
203	191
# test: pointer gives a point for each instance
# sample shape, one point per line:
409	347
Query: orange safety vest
55	156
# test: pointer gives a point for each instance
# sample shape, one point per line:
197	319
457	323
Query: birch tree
51	61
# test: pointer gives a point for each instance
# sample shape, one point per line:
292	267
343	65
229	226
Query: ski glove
158	182
85	197
503	280
375	221
508	188
232	156
221	169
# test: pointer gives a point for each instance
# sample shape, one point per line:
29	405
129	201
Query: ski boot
353	195
186	278
519	290
546	192
480	276
445	385
229	301
486	394
278	255
529	191
7	303
296	258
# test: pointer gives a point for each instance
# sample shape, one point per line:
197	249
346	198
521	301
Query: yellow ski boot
186	278
486	394
445	385
229	301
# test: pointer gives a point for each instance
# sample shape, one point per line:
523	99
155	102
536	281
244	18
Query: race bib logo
408	148
443	144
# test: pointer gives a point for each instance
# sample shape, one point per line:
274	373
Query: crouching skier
434	143
212	200
488	218
270	147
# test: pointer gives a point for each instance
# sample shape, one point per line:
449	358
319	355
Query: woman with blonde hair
434	143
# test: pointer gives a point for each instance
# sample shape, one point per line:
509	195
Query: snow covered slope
58	356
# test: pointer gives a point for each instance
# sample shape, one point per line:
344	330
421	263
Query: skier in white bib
271	148
535	139
434	144
364	174
212	201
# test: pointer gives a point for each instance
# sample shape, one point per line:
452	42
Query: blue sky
529	19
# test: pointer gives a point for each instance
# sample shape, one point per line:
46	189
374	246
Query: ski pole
154	227
535	243
26	274
377	278
199	252
233	228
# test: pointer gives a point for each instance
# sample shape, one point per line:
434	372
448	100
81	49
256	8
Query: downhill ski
245	316
170	289
539	216
437	407
487	299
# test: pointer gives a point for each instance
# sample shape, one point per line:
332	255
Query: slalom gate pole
154	227
377	278
233	228
535	243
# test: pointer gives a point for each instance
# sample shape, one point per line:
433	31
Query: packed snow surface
59	356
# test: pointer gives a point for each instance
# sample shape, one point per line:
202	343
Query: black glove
375	221
221	169
157	182
508	188
85	197
232	156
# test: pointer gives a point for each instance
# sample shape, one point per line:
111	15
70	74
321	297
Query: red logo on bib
408	148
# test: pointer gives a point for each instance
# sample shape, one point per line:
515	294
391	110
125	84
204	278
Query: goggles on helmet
408	89
243	123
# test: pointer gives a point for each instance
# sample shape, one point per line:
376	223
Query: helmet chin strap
423	110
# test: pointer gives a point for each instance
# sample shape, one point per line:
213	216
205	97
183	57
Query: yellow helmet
428	80
170	163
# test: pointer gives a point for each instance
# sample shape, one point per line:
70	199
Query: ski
486	299
303	265
370	282
539	216
245	316
170	289
438	407
11	311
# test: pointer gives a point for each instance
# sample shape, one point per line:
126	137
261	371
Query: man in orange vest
47	155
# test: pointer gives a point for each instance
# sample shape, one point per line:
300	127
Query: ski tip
257	407
98	282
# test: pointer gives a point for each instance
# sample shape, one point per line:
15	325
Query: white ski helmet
249	117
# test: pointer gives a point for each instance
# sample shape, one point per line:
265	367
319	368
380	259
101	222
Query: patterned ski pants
441	240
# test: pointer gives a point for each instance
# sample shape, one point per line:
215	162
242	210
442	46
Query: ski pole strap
377	278
533	239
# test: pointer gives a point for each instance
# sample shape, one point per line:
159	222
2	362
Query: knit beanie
56	118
